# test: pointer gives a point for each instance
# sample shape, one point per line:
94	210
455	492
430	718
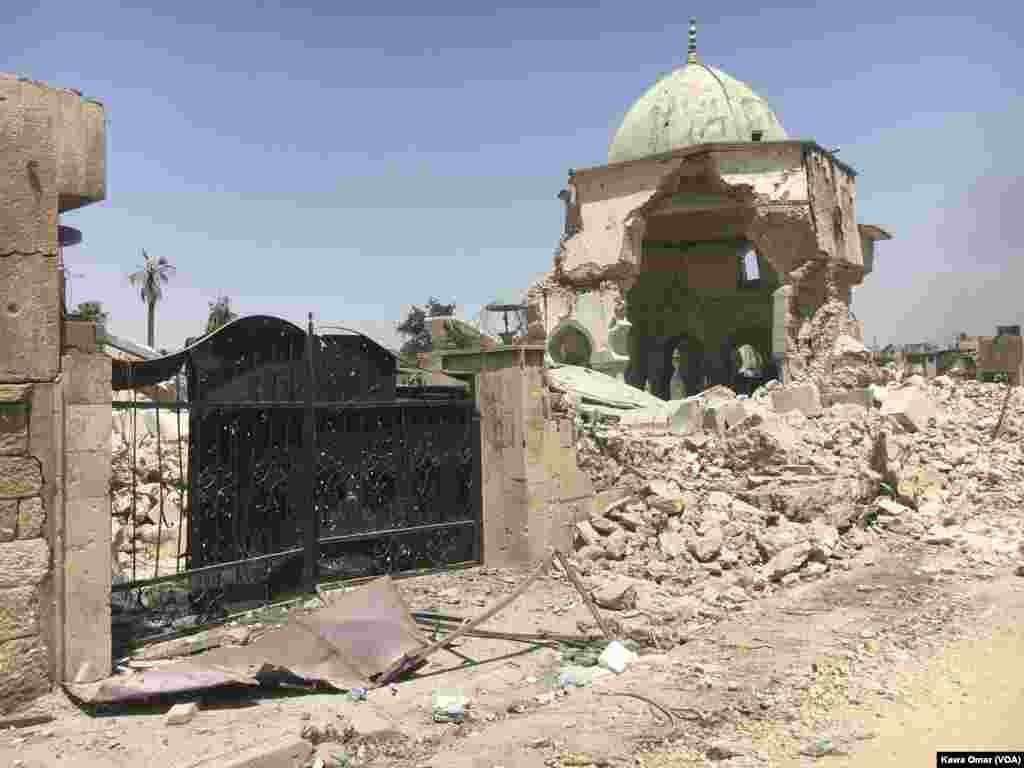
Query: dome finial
691	57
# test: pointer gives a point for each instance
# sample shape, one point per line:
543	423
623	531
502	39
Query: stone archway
651	365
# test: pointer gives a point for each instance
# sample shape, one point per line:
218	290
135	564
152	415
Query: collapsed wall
737	498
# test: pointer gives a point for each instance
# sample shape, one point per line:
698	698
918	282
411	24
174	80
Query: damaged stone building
708	229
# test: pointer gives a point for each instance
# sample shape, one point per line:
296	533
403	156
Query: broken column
52	160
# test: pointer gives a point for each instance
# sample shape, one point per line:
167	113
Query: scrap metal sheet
345	645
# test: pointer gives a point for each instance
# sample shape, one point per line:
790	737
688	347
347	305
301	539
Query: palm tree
220	314
150	281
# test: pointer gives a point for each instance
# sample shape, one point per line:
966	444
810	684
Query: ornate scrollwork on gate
357	478
244	505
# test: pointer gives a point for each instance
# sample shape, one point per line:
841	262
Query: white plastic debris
616	657
449	707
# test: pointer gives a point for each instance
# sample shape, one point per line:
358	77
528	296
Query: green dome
695	104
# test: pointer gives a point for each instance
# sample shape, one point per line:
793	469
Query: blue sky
308	157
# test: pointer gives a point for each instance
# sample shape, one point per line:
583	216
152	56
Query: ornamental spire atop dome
691	56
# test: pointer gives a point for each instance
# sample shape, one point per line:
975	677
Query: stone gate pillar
52	160
533	490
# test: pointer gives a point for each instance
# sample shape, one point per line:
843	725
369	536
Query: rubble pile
779	488
149	462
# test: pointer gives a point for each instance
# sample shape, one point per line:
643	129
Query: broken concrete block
774	539
910	408
586	534
180	714
672	544
722	415
653	417
889	507
847	411
618	595
603	525
800	397
615	544
939	536
824	538
670	503
843	516
660	488
719	500
706	548
804	503
788	560
591	553
717	393
861	396
745	512
687	417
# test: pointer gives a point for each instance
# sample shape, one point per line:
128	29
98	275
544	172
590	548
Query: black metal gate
305	461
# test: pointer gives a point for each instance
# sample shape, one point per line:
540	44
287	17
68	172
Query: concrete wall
533	491
54	514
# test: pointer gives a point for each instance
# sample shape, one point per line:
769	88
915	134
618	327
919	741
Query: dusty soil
910	651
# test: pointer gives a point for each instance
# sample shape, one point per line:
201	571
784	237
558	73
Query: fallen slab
911	408
801	397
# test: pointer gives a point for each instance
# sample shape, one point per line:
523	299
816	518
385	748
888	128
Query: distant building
968	344
920	348
1002	356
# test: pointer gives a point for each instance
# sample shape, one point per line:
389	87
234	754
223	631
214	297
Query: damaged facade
707	230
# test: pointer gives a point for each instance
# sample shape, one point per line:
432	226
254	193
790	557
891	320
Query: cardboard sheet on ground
346	644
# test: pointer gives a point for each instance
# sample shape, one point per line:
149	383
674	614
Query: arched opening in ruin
701	279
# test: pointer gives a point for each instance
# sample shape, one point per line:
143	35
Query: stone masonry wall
52	619
24	554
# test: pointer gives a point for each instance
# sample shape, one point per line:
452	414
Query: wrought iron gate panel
403	473
357	470
306	461
244	501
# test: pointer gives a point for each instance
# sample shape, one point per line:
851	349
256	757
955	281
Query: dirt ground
910	651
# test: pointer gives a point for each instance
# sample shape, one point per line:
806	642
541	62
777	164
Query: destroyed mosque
708	229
